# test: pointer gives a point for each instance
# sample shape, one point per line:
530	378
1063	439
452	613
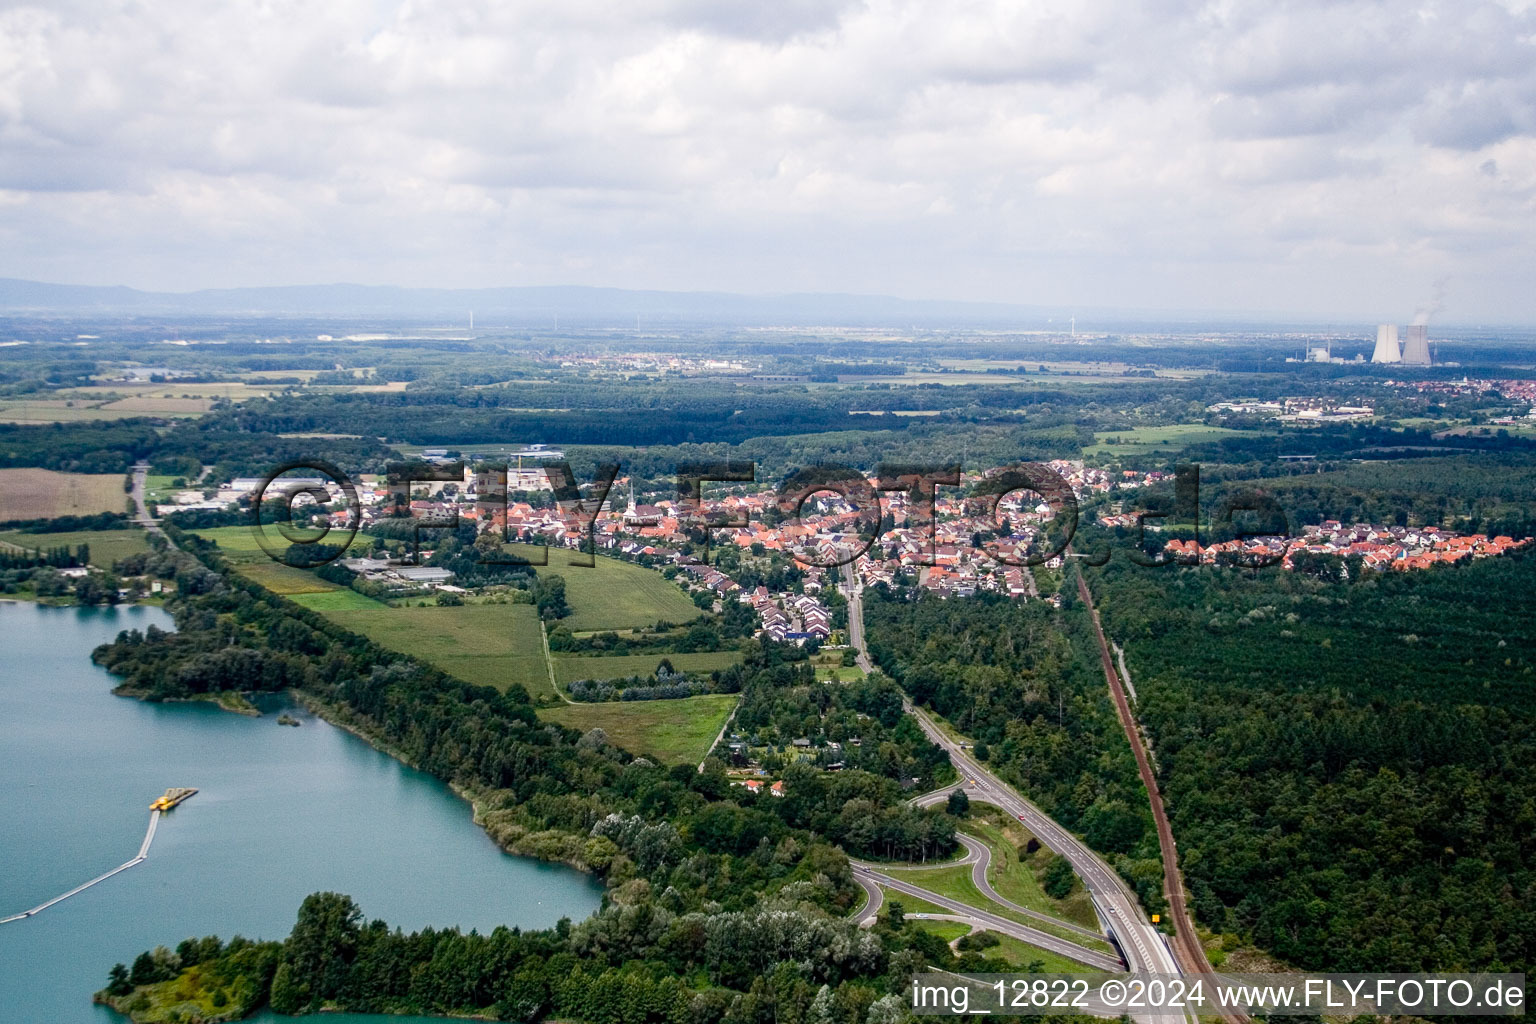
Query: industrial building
1387	350
1414	350
1416	346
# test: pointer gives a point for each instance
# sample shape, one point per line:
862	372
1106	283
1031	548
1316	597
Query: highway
1140	943
979	856
143	518
982	919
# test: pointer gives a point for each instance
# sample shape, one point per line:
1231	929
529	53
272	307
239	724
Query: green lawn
238	543
955	882
107	546
613	594
949	931
669	731
1016	879
1021	954
1015	951
570	669
157	488
911	904
285	579
487	644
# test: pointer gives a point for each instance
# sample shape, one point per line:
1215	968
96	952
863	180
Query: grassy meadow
570	669
487	644
668	731
107	546
613	594
1156	441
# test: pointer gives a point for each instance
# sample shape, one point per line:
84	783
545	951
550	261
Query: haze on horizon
1369	160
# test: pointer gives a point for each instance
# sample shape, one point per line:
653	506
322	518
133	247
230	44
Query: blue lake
281	812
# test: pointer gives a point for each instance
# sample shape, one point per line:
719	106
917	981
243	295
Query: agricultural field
236	543
239	544
117	400
240	548
145	405
668	731
613	594
107	546
90	405
50	410
1157	441
233	391
486	644
45	494
570	669
335	601
284	579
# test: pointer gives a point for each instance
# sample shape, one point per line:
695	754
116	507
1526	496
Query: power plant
1414	350
1416	346
1386	345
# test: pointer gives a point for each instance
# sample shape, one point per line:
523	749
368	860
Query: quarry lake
281	812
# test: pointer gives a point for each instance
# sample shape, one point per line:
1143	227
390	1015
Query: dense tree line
108	447
633	963
70	524
1349	769
62	556
863	718
638	688
1024	681
1474	493
707	633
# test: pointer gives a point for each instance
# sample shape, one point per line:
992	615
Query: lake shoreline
550	847
288	812
225	700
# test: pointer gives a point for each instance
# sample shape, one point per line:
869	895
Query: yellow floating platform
172	798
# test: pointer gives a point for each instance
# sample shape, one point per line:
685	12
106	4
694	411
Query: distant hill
575	305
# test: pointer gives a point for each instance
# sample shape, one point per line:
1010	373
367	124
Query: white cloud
1312	156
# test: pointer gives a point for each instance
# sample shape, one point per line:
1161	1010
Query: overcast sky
1304	157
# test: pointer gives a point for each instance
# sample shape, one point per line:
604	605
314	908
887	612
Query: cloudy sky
1308	157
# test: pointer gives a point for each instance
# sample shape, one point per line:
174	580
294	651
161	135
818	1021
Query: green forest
1023	681
638	961
1350	769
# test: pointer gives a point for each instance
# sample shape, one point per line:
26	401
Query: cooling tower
1386	345
1416	345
